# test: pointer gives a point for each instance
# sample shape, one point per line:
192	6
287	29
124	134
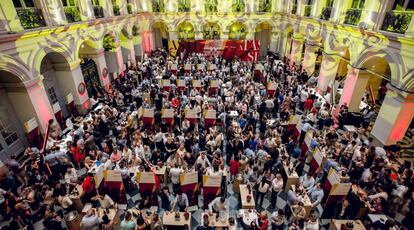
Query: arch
53	48
159	24
186	30
268	23
14	67
376	58
211	30
237	31
264	25
126	32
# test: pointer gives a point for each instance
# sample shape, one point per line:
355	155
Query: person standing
277	186
175	178
262	189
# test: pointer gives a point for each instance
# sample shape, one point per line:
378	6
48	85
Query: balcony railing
294	8
397	21
308	9
210	8
98	10
265	7
326	13
30	17
72	14
238	7
353	16
158	7
117	11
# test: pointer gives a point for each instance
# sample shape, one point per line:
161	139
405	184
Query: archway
380	75
56	74
211	31
160	35
237	31
263	34
286	45
12	135
186	31
90	70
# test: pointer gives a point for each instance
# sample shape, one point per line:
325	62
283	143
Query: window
238	6
358	4
23	3
95	2
52	95
184	5
210	6
6	129
68	2
403	5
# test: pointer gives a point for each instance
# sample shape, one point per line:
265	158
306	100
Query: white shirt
218	206
71	177
277	184
175	175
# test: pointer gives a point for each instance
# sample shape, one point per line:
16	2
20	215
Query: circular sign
105	72
81	88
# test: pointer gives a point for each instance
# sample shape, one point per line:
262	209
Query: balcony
265	7
209	8
397	21
326	13
30	18
158	7
98	10
294	9
72	14
308	9
353	16
238	7
117	11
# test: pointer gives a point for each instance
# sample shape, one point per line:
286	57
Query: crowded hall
206	114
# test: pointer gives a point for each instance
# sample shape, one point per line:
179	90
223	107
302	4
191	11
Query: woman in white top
312	223
307	181
262	189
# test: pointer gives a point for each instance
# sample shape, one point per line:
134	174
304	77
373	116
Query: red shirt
234	167
87	185
264	224
308	103
78	154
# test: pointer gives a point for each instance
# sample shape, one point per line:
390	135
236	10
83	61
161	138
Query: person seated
181	202
127	223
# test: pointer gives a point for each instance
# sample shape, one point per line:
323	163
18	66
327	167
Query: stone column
70	80
86	10
309	60
394	117
137	40
275	41
107	8
329	68
9	20
114	61
296	54
99	59
355	83
339	10
127	49
370	13
54	12
31	101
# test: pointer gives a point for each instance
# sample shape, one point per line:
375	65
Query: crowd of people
251	128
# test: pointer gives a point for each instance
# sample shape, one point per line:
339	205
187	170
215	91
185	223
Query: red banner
245	50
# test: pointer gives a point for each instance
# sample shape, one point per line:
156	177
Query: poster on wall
245	50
